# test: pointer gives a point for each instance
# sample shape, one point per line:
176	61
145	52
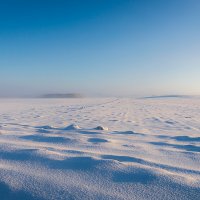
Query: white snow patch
72	127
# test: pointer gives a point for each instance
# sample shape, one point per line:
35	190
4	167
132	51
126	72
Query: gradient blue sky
125	47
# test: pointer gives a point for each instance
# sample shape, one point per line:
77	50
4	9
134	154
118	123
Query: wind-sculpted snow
123	149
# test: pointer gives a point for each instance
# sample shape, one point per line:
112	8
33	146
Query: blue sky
122	47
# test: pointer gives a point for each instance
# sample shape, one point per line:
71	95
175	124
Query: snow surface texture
115	149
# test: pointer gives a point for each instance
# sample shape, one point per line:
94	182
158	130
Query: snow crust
140	149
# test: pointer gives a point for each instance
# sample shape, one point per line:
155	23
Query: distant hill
167	96
69	95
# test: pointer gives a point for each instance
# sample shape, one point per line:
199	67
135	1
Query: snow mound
72	127
102	128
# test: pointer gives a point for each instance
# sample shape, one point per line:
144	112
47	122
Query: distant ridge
69	95
167	96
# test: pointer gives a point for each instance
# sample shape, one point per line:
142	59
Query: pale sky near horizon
117	47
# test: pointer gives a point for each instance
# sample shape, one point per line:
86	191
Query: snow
100	148
101	128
